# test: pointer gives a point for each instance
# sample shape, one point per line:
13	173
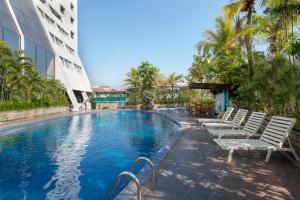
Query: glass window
11	38
41	59
30	50
50	64
1	32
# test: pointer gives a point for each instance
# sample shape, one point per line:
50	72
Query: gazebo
225	88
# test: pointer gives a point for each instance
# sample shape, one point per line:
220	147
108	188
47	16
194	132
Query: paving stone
195	169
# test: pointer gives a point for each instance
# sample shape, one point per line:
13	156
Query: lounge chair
250	129
272	139
224	118
234	124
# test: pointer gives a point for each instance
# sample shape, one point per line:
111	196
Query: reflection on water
68	157
77	157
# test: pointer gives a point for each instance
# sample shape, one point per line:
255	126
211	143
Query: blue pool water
77	157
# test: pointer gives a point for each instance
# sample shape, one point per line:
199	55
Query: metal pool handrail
130	175
152	169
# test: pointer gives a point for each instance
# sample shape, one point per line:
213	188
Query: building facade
47	31
105	97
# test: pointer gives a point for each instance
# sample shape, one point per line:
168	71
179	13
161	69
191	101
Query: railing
151	165
133	177
110	99
126	174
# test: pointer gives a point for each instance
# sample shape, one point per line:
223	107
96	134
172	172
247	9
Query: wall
16	115
107	106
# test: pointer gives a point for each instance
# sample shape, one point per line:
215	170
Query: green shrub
26	105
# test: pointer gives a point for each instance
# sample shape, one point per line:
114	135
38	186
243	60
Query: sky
115	35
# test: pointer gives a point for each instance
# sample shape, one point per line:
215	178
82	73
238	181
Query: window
70	49
55	13
11	38
68	63
62	60
30	50
77	68
49	20
65	62
52	36
72	20
41	59
50	64
72	34
72	6
61	30
57	41
1	32
62	9
43	1
41	12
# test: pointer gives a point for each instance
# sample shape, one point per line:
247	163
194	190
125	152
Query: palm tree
288	10
199	69
134	81
5	57
226	36
133	78
224	48
232	10
272	29
172	80
18	75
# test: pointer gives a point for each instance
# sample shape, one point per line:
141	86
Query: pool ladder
133	177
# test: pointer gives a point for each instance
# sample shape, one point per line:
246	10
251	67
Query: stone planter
16	115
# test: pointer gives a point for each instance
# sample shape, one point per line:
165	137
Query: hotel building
48	32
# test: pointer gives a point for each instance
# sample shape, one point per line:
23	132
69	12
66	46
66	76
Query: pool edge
130	191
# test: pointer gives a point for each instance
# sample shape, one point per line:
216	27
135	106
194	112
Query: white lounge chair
271	140
235	123
224	118
250	129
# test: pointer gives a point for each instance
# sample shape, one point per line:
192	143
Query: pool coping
29	121
144	175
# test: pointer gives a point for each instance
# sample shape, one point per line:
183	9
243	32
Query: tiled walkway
194	169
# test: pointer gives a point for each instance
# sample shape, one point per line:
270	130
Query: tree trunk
287	39
294	63
248	44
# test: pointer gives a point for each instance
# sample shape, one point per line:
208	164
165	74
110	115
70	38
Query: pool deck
195	170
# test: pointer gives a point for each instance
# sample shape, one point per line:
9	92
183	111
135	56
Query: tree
143	82
134	81
150	80
271	28
172	80
289	11
224	48
199	69
233	9
22	86
5	60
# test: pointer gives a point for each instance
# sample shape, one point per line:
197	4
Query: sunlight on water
77	157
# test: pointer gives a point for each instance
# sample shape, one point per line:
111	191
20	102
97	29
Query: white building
47	31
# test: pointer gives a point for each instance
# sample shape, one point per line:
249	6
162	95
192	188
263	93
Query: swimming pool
77	157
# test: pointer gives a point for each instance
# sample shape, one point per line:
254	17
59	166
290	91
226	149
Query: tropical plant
22	86
150	80
134	82
143	82
232	57
199	69
233	9
172	80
